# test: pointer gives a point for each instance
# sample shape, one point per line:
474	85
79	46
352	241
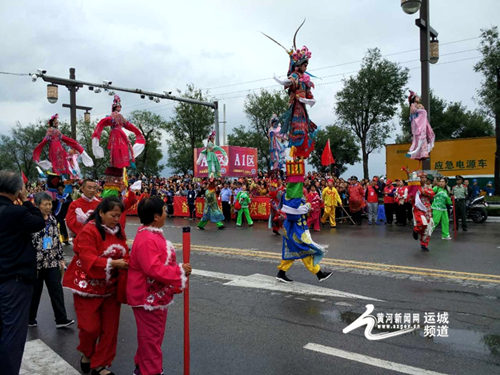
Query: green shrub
492	199
493	210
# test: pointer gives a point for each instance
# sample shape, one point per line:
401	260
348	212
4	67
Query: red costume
356	198
314	216
422	214
153	278
94	282
121	150
276	216
78	213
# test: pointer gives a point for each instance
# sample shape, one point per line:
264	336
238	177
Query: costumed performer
211	211
316	203
154	277
57	154
80	209
331	198
100	252
422	212
356	200
244	201
423	135
208	155
296	122
276	217
277	146
61	205
440	209
297	241
122	152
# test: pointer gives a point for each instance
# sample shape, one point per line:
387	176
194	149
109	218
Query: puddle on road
461	339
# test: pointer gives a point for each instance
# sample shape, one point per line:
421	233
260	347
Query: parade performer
276	217
122	152
316	203
208	155
277	147
57	154
423	135
244	202
331	199
154	277
79	210
61	205
356	200
297	241
100	252
296	122
422	212
211	211
440	209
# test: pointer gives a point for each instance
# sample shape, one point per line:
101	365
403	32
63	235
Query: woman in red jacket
100	251
153	279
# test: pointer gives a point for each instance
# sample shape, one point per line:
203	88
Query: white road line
404	369
258	281
39	359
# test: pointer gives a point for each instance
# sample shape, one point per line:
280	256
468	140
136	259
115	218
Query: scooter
476	210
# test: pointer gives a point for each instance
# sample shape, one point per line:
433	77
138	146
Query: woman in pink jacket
153	278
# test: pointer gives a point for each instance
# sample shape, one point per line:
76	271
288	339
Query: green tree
368	101
152	126
188	128
449	121
489	93
343	144
259	108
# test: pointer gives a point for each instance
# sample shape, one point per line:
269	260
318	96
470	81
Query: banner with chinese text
242	162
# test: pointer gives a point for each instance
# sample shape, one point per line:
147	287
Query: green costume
212	160
244	200
211	211
440	212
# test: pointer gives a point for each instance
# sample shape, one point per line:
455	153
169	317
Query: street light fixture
52	93
434	56
86	116
411	6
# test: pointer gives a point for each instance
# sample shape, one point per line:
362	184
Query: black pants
409	212
357	216
400	214
192	211
389	212
461	213
52	278
15	297
226	210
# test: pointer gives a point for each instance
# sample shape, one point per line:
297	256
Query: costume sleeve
140	142
294	78
148	256
96	136
73	144
87	245
37	152
32	220
73	224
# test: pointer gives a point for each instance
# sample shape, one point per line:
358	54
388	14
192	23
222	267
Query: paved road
243	322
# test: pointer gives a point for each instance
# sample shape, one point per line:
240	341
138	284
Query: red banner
181	208
242	162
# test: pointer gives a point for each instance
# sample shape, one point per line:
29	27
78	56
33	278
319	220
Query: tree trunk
365	159
497	133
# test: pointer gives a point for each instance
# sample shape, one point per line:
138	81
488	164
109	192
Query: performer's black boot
415	236
322	276
283	277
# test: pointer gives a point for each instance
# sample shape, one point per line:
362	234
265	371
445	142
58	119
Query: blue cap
474	180
489	182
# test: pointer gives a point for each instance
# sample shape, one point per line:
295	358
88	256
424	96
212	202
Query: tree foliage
187	129
449	121
259	108
368	101
345	149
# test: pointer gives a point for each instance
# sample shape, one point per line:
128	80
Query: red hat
389	182
330	180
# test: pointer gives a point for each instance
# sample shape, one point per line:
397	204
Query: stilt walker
211	211
208	155
423	135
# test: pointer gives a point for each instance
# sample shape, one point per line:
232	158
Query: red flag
25	180
327	157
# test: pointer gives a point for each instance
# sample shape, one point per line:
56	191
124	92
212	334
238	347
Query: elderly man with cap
489	189
475	190
422	211
460	192
356	199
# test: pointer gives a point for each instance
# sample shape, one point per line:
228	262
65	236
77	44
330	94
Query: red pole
186	253
454	217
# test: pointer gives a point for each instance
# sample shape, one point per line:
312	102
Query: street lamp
434	57
52	93
411	6
86	117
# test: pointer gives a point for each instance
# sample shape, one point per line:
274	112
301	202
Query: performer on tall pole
423	135
208	155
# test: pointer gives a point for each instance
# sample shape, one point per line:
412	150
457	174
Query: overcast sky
164	45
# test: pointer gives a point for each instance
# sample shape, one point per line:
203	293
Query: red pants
150	332
313	220
423	225
98	320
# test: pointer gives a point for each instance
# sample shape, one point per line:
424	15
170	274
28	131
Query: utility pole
216	118
224	126
497	133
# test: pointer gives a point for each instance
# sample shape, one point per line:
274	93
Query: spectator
225	196
489	190
389	200
17	268
371	197
191	199
474	189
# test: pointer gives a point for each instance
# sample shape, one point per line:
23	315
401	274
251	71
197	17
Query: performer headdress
412	97
116	102
51	121
211	136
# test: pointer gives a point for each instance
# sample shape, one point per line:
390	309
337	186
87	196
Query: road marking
39	359
404	369
258	281
381	267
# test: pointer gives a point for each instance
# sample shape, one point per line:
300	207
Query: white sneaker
446	238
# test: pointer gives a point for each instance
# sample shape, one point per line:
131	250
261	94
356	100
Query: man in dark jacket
17	268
